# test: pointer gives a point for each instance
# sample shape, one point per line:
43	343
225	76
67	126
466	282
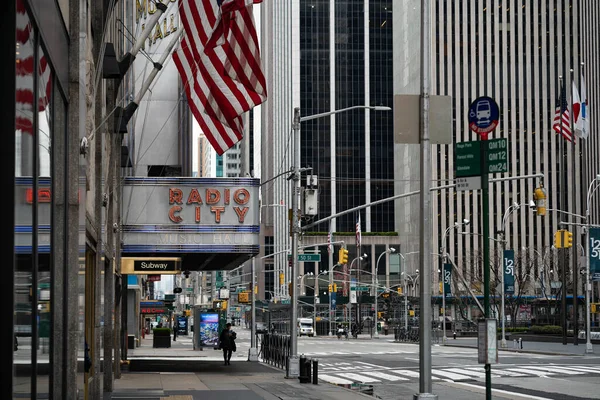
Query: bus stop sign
484	115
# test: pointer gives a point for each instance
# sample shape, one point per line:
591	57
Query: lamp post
445	260
591	189
294	363
316	296
405	288
375	284
364	256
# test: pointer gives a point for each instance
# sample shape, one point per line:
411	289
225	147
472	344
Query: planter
161	341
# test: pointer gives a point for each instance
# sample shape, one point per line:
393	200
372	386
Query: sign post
484	116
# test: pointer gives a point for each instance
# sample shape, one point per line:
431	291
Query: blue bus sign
484	115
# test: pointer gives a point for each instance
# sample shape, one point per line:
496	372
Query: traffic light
255	289
568	240
558	239
290	289
330	288
281	278
335	287
399	290
343	256
224	305
539	195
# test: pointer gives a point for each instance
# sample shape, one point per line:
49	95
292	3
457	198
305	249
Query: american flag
562	118
218	60
24	96
329	240
358	234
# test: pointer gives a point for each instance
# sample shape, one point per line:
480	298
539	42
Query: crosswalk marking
554	370
359	378
586	369
383	375
372	373
372	365
501	372
411	373
464	371
450	375
527	372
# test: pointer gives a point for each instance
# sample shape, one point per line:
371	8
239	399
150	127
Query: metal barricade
275	349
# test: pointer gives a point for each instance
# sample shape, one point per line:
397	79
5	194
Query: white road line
382	375
372	365
359	378
554	370
335	379
411	373
512	394
501	372
471	373
528	371
450	375
581	368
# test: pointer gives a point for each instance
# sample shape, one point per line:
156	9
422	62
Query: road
393	369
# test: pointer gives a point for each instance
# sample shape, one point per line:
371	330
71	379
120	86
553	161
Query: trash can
131	341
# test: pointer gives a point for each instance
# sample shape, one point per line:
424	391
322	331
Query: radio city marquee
198	212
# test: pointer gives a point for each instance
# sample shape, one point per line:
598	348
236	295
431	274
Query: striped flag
329	240
562	118
25	98
358	232
218	60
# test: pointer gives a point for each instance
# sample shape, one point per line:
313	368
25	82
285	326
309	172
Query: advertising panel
209	329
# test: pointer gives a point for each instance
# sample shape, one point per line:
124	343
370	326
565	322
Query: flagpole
584	179
574	252
563	200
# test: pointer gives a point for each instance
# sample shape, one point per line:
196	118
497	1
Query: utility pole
425	385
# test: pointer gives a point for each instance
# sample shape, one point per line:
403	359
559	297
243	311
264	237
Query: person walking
225	343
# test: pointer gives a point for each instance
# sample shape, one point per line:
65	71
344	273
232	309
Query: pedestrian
174	332
225	343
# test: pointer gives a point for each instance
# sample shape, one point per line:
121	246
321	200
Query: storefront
36	172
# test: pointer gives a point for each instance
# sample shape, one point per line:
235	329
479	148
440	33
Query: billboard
209	329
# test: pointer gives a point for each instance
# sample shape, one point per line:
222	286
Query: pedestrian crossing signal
330	288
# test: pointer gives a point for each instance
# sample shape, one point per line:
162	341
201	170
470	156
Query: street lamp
444	278
591	189
513	207
294	363
376	282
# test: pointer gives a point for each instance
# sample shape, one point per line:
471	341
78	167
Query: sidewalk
156	373
549	348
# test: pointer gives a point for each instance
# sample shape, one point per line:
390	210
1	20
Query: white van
305	327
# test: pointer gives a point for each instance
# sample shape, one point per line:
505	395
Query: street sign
468	158
468	183
309	257
484	115
497	155
360	288
285	301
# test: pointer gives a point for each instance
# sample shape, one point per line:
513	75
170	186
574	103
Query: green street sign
190	289
309	257
497	155
468	158
285	301
360	288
